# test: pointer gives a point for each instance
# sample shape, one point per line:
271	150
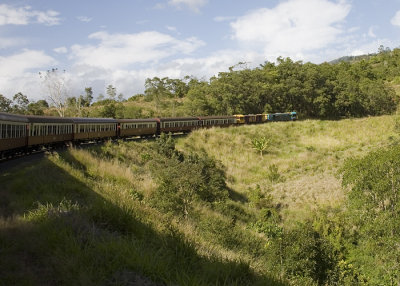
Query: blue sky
123	42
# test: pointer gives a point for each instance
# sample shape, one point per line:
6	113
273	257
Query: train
26	133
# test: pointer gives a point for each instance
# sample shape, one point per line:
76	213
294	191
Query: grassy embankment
306	155
87	217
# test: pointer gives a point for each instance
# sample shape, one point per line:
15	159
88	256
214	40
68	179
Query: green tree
20	103
37	108
157	90
5	104
111	92
261	144
374	208
109	110
88	97
184	179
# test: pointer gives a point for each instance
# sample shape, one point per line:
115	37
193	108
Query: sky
95	43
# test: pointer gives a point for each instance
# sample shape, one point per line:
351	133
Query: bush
303	252
374	207
183	179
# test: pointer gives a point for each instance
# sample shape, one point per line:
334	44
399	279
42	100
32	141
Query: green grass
306	153
80	218
86	217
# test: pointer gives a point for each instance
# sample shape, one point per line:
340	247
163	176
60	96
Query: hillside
203	209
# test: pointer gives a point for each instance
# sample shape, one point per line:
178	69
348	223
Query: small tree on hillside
261	144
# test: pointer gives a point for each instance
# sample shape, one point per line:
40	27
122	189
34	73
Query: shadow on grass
236	196
55	230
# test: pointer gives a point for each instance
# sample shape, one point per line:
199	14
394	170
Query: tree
109	111
5	104
37	108
111	92
121	97
157	90
261	144
88	97
374	208
55	86
20	103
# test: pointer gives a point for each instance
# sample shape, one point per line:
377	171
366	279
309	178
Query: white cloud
48	18
292	27
223	18
10	15
11	42
371	32
61	50
122	50
396	19
23	62
84	19
194	5
172	29
19	73
131	81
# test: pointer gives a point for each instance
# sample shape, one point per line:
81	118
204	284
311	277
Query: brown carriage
13	132
179	124
94	128
137	127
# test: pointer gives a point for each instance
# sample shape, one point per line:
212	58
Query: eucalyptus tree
54	83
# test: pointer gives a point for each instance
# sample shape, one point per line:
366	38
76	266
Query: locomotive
24	133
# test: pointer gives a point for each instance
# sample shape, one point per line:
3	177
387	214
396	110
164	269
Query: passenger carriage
46	130
137	127
178	124
13	132
94	128
221	121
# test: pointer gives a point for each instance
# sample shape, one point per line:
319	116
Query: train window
8	131
4	131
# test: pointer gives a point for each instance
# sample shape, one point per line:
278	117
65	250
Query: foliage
184	179
374	206
5	104
303	253
38	107
21	103
273	174
261	144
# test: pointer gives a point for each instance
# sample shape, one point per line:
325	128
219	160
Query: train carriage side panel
179	124
217	121
94	128
13	131
45	130
137	127
287	116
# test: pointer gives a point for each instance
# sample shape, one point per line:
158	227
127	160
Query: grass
85	217
307	155
80	218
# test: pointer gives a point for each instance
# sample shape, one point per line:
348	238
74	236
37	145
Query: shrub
183	179
303	252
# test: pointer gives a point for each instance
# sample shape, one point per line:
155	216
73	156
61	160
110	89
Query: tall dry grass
306	154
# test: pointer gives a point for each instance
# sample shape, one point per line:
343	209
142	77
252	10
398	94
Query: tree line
354	88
